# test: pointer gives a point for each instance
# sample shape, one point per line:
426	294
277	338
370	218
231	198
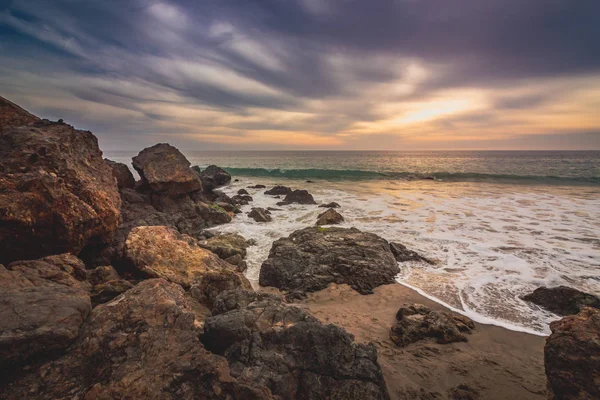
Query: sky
310	74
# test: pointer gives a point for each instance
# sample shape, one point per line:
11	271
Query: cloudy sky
310	74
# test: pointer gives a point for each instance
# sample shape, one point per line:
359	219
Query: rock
267	342
57	192
121	172
13	115
416	322
279	190
213	177
105	292
242	191
260	215
243	199
103	274
309	181
142	345
333	204
330	217
312	258
463	392
572	356
562	300
164	170
257	187
403	254
297	196
230	247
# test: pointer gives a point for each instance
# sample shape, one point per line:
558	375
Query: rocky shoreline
113	288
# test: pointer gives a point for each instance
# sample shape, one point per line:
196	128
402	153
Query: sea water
497	224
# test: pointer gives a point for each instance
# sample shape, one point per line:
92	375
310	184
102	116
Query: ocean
498	223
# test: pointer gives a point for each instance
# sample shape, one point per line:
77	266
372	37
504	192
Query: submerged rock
562	300
282	347
242	191
312	258
572	356
213	177
330	217
403	254
260	215
278	191
58	195
122	174
333	204
299	197
416	322
257	187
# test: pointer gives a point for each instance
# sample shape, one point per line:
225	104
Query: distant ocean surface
498	223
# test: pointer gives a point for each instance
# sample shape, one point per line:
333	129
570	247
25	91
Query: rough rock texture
312	258
242	199
230	247
572	356
57	192
107	284
13	115
562	300
330	217
121	172
260	215
403	254
333	204
267	342
278	191
416	322
299	197
165	170
213	177
162	252
142	345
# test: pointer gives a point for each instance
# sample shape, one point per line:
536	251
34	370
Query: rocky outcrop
403	254
164	170
298	197
106	284
213	177
333	204
562	300
312	258
267	342
416	322
260	215
329	217
572	356
230	247
122	174
57	191
278	191
13	115
142	345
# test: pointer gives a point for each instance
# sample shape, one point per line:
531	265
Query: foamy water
492	242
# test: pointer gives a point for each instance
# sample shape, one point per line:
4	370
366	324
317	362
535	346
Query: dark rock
59	270
562	300
463	392
279	190
164	170
242	191
267	342
58	195
213	177
403	254
330	217
243	199
13	115
122	174
230	247
416	322
572	356
260	215
312	258
273	209
309	181
105	292
299	197
333	204
130	196
257	187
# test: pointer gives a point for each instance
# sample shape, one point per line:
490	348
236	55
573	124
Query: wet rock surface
260	215
122	174
213	177
278	191
333	204
282	347
329	217
416	322
572	356
298	197
312	258
562	300
403	254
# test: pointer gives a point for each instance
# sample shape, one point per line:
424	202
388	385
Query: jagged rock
403	254
562	300
416	322
107	284
57	191
299	197
312	258
242	199
242	191
121	172
13	115
230	247
164	170
267	342
333	204
213	177
330	217
257	187
142	345
572	356
260	215
278	190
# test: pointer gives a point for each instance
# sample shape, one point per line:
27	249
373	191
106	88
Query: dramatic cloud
347	74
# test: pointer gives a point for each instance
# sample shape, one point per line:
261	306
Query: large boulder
562	300
572	356
278	190
297	196
226	245
329	217
57	191
416	322
259	214
122	174
142	345
213	177
282	347
13	115
312	258
164	170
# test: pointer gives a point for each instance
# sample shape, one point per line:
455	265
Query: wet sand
496	363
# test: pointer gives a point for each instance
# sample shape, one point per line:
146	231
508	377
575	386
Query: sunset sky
310	74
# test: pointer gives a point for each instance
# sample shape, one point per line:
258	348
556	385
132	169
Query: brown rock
122	174
13	115
299	197
226	245
330	217
260	214
562	300
213	177
278	190
333	204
